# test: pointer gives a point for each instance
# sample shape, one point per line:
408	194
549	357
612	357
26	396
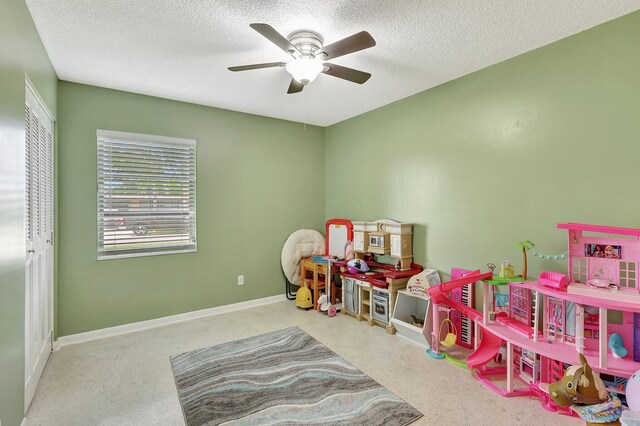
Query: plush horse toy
586	394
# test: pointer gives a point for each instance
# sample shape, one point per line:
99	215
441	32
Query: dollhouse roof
598	228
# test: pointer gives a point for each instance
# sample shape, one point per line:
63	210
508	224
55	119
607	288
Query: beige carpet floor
127	380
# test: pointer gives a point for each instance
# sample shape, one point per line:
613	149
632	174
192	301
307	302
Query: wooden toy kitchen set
370	296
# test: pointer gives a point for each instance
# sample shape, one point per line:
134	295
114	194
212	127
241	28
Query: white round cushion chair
301	244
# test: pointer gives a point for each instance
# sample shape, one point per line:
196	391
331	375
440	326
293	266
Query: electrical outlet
240	279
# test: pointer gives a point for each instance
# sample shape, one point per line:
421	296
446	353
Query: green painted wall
259	179
21	52
503	154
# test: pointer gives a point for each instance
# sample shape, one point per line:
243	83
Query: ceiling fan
308	52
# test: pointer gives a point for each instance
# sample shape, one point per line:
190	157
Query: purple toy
357	266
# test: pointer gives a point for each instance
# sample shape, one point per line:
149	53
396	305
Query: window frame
144	138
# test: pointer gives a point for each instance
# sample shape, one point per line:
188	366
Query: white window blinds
146	195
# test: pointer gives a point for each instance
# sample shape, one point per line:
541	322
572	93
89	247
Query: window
146	195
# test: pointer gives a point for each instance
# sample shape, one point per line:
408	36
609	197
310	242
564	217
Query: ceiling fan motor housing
307	42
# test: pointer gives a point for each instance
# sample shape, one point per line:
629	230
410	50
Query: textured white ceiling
180	49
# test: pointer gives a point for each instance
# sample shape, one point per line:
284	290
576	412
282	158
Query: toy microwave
378	239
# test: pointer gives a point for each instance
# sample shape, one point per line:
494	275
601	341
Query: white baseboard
24	422
160	322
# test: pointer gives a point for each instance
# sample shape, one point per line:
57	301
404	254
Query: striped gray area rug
281	378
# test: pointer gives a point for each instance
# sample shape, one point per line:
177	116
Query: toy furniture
377	289
350	295
384	237
339	232
411	313
305	243
577	316
459	321
409	305
386	282
364	295
315	276
553	280
506	270
555	321
452	333
381	306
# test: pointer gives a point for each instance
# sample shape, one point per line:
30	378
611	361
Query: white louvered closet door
39	240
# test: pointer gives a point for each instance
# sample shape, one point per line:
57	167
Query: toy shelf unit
360	303
364	309
384	237
410	315
412	308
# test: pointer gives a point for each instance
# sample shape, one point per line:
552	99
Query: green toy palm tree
524	246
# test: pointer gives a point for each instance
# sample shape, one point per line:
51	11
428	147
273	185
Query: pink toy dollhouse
550	321
600	298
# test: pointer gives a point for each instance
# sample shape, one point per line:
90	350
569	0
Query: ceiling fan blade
295	87
275	37
257	66
346	73
354	43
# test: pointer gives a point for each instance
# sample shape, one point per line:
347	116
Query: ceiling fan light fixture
304	70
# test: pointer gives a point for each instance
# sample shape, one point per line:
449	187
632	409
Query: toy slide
439	293
487	350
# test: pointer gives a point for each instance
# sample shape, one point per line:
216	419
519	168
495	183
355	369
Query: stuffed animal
583	390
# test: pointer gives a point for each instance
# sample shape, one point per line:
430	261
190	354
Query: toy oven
381	306
529	366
